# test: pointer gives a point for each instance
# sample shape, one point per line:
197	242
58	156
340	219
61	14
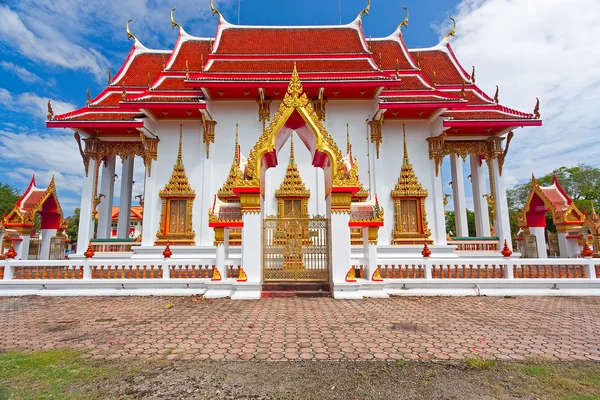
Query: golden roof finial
149	81
109	77
89	97
235	173
50	110
123	93
295	96
405	148
536	110
434	79
348	145
173	23
496	95
365	11
213	9
292	156
187	70
129	34
462	91
453	31
397	68
473	75
405	22
179	158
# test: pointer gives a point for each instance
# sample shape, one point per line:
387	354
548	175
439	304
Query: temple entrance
295	248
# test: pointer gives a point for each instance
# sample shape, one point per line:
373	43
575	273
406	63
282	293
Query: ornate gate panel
295	249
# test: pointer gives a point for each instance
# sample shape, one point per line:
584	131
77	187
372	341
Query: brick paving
555	328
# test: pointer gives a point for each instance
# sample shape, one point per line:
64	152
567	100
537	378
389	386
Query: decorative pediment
178	185
408	184
235	174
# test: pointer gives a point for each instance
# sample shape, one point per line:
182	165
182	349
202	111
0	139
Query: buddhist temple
294	153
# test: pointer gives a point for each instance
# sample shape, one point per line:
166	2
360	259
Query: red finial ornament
506	251
89	253
11	253
167	253
586	252
426	252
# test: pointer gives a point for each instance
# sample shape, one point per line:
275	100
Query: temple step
296	289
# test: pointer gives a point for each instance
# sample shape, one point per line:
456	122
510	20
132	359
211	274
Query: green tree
8	197
451	223
73	225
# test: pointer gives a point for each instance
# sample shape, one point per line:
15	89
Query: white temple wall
245	113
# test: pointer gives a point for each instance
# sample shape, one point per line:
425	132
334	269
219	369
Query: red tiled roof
474	98
112	99
331	65
137	73
409	83
555	197
92	116
390	52
480	115
172	84
437	61
193	51
289	41
33	199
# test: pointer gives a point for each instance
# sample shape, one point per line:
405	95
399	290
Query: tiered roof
241	62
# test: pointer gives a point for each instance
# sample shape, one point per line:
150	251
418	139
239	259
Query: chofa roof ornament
453	31
365	11
405	22
129	34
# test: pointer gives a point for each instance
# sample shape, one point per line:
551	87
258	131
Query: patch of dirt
307	380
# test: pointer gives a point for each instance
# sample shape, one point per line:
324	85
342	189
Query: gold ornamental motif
376	133
410	216
209	133
177	203
235	174
292	185
296	101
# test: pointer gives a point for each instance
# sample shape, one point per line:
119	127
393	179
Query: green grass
480	363
46	375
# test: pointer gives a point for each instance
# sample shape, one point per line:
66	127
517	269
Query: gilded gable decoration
235	174
410	216
296	100
292	196
177	202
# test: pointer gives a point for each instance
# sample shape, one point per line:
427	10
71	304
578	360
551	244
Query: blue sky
59	48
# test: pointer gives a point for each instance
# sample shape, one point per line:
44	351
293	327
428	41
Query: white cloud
33	104
538	48
22	73
48	44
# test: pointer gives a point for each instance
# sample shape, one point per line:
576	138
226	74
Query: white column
86	224
251	246
482	216
152	206
125	199
339	244
47	235
107	188
540	238
502	223
458	196
438	219
563	246
24	255
370	251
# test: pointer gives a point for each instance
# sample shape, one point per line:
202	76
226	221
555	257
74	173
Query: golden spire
235	173
295	96
173	23
536	110
405	22
129	34
496	95
408	184
462	91
292	185
453	31
213	9
365	11
348	145
178	184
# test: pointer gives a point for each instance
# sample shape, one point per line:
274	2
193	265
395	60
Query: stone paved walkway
292	329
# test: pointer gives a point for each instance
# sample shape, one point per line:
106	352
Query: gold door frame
296	249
